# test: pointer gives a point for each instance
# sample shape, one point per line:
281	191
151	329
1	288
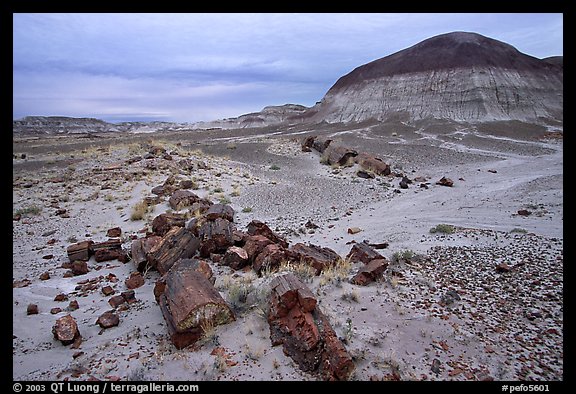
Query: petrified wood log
315	256
216	236
256	227
176	244
165	221
79	251
182	198
304	332
140	248
66	330
235	257
220	211
364	253
370	272
339	155
182	265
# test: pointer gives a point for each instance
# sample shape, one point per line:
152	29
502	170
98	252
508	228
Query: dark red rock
79	251
61	297
129	296
216	236
256	227
45	276
178	243
108	320
140	249
270	258
372	164
362	252
316	256
181	199
102	255
55	311
503	267
79	267
108	290
32	309
370	272
339	155
135	280
254	245
235	258
116	301
165	221
73	305
114	232
445	182
222	211
66	330
524	212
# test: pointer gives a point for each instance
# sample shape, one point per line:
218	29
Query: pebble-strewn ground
482	303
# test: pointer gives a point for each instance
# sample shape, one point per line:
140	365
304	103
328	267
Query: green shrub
442	228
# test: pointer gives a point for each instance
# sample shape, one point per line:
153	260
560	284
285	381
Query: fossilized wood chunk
181	199
165	221
222	211
315	256
176	244
256	227
79	251
364	253
140	248
370	272
66	330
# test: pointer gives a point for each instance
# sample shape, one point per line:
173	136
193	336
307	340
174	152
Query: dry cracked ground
473	291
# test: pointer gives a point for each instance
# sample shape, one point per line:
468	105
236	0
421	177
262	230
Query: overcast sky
192	67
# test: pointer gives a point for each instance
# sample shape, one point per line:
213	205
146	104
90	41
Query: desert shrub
403	255
29	210
139	211
519	230
246	209
442	228
274	167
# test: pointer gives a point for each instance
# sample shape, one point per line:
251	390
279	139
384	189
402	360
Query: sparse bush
109	197
403	255
274	167
336	273
275	364
442	228
246	209
231	146
224	200
351	296
29	210
253	353
209	334
139	211
519	230
302	270
235	193
218	190
348	331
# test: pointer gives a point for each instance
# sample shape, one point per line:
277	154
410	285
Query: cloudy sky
193	67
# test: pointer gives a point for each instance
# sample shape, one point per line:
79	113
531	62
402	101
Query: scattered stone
235	257
32	309
420	179
73	305
317	257
108	320
102	255
354	230
256	227
363	253
108	291
114	232
449	297
45	276
79	251
55	311
365	174
66	330
135	280
21	283
116	301
381	245
61	297
436	366
524	212
403	184
129	296
445	182
79	267
370	272
181	199
220	211
493	171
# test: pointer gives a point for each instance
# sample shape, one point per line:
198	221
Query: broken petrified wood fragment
102	255
222	211
256	227
79	267
254	245
140	248
362	252
445	182
373	164
316	256
270	258
339	155
216	236
307	143
165	221
370	272
66	330
114	232
176	244
134	281
235	258
320	144
304	332
181	199
108	319
79	251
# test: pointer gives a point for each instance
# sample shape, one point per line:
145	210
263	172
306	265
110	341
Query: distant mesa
459	76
